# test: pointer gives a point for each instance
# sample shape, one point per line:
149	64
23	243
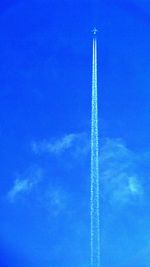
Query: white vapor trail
95	206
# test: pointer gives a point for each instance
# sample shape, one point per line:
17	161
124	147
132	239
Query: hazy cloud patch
56	201
24	183
120	180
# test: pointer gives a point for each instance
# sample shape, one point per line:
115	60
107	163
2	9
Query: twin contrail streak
95	216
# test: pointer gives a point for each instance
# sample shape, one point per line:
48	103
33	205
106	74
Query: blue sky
45	95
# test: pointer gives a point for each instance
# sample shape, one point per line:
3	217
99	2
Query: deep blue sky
45	100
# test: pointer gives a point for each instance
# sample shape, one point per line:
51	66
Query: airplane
94	31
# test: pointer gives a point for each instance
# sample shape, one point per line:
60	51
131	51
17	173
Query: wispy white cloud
19	187
120	180
134	186
53	199
76	142
24	183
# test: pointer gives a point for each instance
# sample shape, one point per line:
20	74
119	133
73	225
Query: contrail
95	216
